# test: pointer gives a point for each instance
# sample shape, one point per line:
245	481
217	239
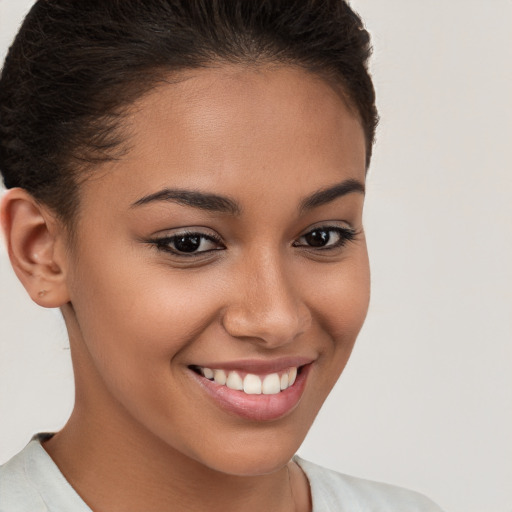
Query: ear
36	245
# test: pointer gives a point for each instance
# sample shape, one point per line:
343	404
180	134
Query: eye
188	244
325	237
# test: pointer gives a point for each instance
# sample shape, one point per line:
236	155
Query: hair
77	65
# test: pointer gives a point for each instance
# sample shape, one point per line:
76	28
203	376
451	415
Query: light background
426	400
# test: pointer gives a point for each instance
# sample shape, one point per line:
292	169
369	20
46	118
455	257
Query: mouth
251	383
252	391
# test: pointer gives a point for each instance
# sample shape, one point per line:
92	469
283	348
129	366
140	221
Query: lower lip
256	407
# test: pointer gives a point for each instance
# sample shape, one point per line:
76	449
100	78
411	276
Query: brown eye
317	238
188	244
325	238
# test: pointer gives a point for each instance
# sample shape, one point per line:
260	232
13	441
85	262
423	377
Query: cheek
349	311
140	317
132	327
134	320
339	299
340	296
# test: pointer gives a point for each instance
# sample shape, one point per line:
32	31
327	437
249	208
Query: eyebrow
329	194
222	204
210	202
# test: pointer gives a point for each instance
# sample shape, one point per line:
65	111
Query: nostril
273	326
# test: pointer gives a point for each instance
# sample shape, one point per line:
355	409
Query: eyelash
164	244
345	235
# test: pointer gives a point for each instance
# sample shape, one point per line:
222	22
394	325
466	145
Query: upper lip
258	365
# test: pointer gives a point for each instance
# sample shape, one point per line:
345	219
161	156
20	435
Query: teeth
208	373
251	384
284	381
292	376
220	377
271	384
234	381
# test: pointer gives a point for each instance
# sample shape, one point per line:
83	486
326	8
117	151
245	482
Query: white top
31	482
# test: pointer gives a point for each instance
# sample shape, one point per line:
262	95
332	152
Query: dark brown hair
76	65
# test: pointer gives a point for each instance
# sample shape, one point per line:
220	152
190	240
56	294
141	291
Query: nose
267	307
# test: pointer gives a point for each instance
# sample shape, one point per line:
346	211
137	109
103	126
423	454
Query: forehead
224	127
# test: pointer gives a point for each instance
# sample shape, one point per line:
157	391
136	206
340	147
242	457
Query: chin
258	452
252	464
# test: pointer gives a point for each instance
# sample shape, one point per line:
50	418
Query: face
220	274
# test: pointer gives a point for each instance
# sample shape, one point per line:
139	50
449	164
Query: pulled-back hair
76	65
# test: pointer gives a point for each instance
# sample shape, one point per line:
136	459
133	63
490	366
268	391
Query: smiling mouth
255	390
251	383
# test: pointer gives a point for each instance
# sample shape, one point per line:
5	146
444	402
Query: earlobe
34	241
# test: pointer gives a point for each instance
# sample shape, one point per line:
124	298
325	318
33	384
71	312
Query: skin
143	434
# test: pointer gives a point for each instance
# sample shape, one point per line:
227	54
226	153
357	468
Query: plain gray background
426	400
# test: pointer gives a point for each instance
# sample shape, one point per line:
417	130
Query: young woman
186	182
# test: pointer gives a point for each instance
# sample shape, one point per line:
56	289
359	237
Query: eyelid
185	230
329	225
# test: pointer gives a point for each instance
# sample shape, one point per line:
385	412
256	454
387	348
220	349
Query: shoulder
335	492
31	482
17	493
